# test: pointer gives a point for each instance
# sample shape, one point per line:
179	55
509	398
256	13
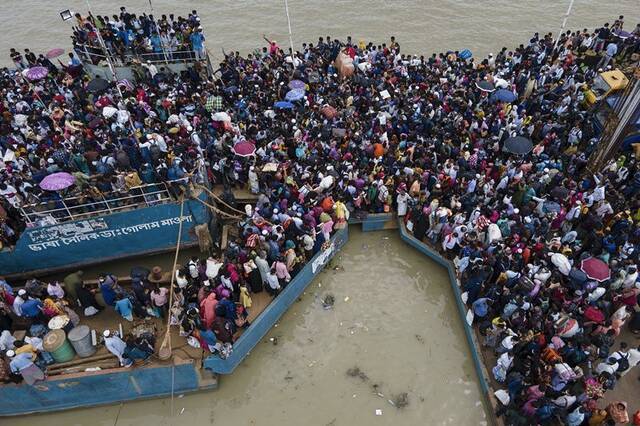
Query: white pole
286	6
564	24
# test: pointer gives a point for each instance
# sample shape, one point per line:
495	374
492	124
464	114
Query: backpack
623	362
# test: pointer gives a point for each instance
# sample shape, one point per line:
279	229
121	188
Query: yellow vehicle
604	84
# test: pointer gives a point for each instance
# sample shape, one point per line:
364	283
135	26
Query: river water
420	26
394	318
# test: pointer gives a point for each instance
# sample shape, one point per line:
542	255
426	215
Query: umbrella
578	275
230	89
221	116
95	123
36	73
518	145
98	84
485	86
54	53
283	105
551	206
622	34
109	111
503	95
244	149
297	84
314	77
329	112
57	181
294	95
559	193
595	269
561	261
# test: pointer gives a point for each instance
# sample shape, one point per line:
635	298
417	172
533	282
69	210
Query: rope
218	199
167	337
217	210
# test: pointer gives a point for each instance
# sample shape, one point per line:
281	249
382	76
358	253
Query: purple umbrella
36	73
297	84
294	95
57	181
244	149
623	34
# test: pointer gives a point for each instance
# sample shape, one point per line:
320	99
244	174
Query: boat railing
76	207
95	54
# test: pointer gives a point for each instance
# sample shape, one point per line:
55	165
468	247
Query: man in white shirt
609	366
19	301
116	346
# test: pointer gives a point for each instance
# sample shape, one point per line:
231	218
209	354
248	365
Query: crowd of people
379	131
127	37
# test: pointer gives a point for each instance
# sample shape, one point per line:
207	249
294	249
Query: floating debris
346	299
401	400
356	372
328	301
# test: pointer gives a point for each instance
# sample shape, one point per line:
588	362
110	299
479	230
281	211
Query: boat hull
78	243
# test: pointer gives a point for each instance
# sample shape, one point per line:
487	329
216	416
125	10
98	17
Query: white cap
11	353
22	292
106	333
207	283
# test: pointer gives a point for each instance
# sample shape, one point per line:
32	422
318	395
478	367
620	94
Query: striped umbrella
36	73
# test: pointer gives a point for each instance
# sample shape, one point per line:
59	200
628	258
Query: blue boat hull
95	240
100	388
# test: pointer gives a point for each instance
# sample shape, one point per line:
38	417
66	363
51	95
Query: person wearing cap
22	364
19	301
117	347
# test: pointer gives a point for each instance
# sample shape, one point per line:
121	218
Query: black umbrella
559	193
98	84
518	145
485	86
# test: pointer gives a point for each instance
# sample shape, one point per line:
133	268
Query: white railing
95	54
74	208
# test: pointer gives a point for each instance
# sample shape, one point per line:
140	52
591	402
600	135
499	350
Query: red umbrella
595	269
54	53
244	149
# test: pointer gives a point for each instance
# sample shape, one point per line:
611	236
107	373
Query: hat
207	283
11	353
106	333
22	292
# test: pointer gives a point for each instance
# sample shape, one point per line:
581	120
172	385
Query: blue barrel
80	338
55	342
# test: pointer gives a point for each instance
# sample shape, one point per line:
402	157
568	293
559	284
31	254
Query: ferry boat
70	233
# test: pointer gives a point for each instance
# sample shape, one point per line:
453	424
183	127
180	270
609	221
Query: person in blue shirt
208	337
108	288
197	44
124	307
31	308
481	307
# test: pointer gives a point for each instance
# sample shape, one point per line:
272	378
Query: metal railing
95	54
74	208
